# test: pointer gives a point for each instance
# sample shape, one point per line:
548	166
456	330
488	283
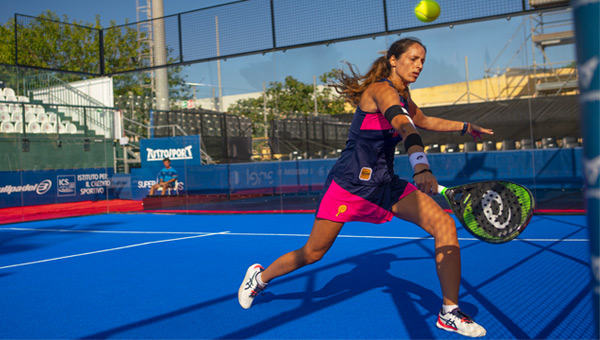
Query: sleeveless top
368	158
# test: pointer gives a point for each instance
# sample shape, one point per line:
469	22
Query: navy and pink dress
362	186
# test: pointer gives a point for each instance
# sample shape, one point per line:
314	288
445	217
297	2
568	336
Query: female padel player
362	185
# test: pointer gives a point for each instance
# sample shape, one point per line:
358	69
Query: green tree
290	98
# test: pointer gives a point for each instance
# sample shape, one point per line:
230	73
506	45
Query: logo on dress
341	210
365	174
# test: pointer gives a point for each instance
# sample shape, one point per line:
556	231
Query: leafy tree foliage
49	41
290	98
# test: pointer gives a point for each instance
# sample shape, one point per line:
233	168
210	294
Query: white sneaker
250	287
459	322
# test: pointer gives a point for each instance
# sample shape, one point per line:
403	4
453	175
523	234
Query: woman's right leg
322	236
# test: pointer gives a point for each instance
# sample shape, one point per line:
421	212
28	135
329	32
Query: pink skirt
346	202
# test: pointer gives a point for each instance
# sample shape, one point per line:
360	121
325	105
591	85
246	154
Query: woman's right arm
388	102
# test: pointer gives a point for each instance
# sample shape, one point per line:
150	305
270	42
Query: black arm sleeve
392	112
412	139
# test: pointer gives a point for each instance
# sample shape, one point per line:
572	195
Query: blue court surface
158	276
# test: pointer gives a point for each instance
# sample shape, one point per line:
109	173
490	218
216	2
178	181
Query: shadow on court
371	272
416	305
14	242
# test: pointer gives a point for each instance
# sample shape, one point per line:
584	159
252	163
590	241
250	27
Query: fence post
180	39
16	44
23	118
101	42
85	125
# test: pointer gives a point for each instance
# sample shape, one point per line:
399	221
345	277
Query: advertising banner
182	151
25	188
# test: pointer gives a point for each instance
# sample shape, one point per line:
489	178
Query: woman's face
410	63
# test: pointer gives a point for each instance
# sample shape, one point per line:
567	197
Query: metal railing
23	113
78	105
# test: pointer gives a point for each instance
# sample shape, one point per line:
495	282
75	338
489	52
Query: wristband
417	158
465	128
413	139
422	171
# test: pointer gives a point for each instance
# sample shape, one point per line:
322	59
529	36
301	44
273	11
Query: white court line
111	249
411	238
273	234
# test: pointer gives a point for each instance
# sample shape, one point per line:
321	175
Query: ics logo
66	185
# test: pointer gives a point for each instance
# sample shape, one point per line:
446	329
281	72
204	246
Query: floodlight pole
160	56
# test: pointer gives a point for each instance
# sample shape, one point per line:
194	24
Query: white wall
100	89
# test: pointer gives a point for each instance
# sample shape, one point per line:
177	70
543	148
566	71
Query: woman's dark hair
351	86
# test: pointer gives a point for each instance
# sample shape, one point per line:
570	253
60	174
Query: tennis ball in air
427	10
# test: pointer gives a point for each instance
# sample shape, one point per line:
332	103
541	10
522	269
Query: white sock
260	281
448	308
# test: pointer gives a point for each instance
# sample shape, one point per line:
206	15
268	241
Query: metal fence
236	29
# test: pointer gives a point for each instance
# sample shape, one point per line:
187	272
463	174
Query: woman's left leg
422	210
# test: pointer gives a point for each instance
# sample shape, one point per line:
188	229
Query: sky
481	43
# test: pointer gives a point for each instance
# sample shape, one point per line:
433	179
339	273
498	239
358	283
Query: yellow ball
427	10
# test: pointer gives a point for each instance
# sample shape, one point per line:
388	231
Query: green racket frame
492	211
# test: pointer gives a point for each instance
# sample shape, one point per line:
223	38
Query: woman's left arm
445	125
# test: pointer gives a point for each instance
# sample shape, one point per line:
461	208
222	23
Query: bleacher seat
34	127
434	148
7	127
470	147
549	143
48	127
19	127
570	142
71	128
4	108
2	97
16	117
42	117
452	147
8	92
12	108
52	118
29	109
508	144
62	128
526	144
489	145
39	109
10	98
30	117
4	116
22	99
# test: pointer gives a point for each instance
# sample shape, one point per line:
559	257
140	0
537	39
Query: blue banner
183	151
587	35
549	168
23	188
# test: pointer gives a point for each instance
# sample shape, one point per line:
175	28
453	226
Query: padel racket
492	211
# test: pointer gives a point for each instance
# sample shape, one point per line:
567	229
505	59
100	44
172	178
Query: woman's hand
476	131
425	180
